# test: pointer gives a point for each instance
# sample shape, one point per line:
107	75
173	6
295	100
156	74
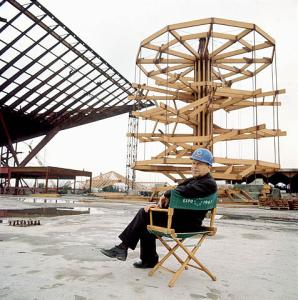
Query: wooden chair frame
179	238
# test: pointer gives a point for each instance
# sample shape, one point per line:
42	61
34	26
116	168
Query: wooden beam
243	60
169	69
190	24
184	43
264	34
232	161
154	36
171	52
164	91
229	43
247	171
232	53
194	104
234	23
165	61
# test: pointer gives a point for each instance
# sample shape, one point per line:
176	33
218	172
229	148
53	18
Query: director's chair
163	233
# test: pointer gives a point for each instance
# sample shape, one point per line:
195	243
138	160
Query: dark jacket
190	220
195	187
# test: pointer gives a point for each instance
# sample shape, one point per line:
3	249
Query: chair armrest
169	211
158	209
212	230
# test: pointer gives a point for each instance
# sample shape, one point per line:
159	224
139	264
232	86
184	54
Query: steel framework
50	79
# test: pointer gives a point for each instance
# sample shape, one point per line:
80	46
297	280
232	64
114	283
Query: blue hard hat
203	155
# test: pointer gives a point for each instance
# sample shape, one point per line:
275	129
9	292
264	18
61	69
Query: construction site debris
24	223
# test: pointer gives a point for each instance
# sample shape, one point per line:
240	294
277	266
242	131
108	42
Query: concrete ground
253	255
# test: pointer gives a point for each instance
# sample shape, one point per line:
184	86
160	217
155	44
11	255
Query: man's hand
163	201
146	208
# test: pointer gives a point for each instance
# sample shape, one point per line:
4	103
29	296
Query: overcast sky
114	29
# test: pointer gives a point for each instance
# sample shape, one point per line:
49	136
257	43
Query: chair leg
178	272
191	255
171	251
185	263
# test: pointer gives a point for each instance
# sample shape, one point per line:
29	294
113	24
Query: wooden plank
179	86
198	35
225	136
168	45
198	110
154	36
246	44
138	98
182	153
168	120
206	83
234	23
229	43
166	152
262	46
167	174
190	24
239	78
271	93
232	161
230	91
148	112
243	60
169	109
264	34
252	128
221	48
261	68
171	52
225	36
234	70
153	135
154	168
162	161
185	44
274	132
187	84
176	139
243	104
194	104
168	69
143	70
232	53
247	171
219	175
225	104
162	61
229	170
164	91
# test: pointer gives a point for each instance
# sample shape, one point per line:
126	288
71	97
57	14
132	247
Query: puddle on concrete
47	212
43	212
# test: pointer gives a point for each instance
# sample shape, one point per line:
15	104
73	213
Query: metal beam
39	146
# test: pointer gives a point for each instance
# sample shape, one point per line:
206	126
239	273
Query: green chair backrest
201	203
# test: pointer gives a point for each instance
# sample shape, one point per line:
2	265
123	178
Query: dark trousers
137	231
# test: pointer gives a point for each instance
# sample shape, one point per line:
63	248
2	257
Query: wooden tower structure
199	74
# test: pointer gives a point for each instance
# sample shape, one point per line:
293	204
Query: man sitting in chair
200	185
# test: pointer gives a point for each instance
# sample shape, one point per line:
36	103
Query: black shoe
144	265
115	252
